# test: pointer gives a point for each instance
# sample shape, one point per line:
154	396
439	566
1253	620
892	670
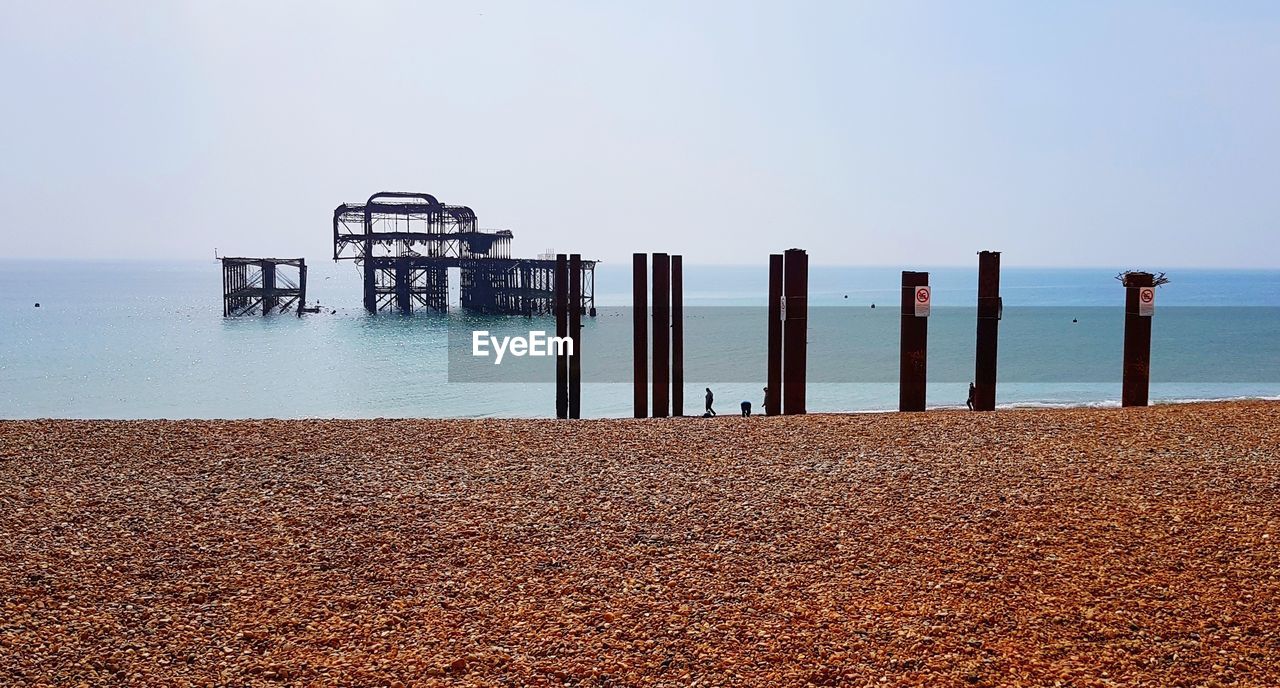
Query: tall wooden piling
575	335
773	377
640	334
795	325
989	313
914	342
1137	340
677	336
661	334
562	331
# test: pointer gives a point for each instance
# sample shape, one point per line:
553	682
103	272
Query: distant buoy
37	305
846	296
873	305
1074	320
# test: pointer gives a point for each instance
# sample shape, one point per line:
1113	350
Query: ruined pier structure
406	242
263	285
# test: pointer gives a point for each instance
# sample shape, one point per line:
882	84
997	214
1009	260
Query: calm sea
148	340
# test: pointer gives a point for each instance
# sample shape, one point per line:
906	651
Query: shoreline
1000	408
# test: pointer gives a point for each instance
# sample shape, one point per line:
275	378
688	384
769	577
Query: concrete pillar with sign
917	300
1139	307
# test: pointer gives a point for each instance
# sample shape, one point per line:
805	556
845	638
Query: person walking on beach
972	390
710	400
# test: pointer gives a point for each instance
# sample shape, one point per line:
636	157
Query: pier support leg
269	300
1137	342
914	343
302	288
370	286
561	289
773	376
575	335
795	324
661	334
989	312
677	336
640	334
403	302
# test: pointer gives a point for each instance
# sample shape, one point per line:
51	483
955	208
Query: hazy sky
895	133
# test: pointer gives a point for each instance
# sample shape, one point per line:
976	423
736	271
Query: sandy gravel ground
1073	548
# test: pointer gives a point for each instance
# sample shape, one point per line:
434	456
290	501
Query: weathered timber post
677	336
990	309
561	288
575	335
795	324
773	376
640	333
914	340
661	334
1139	304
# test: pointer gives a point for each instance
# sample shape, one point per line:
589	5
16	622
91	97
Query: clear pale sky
892	133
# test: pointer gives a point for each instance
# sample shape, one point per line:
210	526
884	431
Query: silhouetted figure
972	391
37	305
746	408
711	398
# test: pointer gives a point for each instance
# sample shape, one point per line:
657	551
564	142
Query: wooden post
677	336
989	313
795	325
1137	341
561	288
661	334
773	376
575	335
914	343
640	333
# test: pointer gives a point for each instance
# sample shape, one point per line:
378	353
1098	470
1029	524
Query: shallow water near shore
147	340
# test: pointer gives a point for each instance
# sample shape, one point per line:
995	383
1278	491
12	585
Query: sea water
148	340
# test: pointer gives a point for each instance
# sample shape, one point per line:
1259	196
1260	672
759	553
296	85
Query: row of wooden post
568	307
915	330
787	336
668	335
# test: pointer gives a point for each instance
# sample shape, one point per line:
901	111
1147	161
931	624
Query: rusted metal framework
406	242
259	285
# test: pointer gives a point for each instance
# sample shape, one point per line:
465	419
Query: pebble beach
1085	547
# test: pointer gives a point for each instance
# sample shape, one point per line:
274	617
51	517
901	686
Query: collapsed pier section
405	243
263	285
